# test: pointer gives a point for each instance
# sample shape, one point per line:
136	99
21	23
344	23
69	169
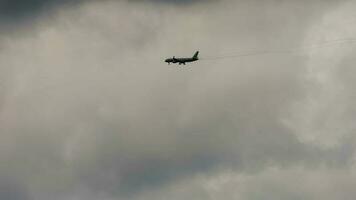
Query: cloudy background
89	111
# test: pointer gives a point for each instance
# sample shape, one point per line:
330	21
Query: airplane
182	60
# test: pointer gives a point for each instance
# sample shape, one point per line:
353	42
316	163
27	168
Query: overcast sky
89	110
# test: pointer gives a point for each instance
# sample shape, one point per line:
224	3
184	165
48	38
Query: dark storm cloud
21	10
14	10
10	190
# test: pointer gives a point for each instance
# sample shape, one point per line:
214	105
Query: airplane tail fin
196	55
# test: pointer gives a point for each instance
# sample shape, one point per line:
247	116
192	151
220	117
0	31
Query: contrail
282	51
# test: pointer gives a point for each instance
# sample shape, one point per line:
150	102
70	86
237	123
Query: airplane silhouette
182	60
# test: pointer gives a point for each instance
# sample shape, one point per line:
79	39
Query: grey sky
88	110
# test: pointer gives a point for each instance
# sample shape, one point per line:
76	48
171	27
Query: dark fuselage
182	60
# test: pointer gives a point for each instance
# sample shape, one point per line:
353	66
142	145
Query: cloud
18	10
12	191
90	111
270	183
15	11
325	117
